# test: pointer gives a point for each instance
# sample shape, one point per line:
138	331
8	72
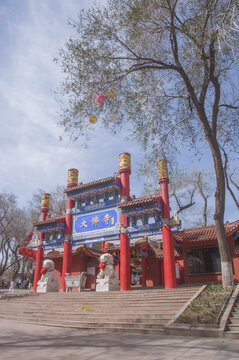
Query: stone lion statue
48	281
107	279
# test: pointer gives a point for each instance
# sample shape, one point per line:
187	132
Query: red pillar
125	171
168	245
45	203
103	245
143	271
67	256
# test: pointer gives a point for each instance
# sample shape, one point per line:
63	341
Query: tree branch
226	178
188	205
233	182
228	106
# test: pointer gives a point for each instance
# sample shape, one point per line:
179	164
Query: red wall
235	258
153	273
180	263
78	264
81	263
58	269
191	279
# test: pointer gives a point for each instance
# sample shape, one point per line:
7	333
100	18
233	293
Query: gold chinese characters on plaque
45	201
124	161
72	177
162	169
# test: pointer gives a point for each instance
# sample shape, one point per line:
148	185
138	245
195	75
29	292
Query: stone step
128	326
93	303
133	330
166	313
89	314
232	334
233	327
117	293
61	298
91	298
91	319
234	320
125	301
114	307
136	311
92	322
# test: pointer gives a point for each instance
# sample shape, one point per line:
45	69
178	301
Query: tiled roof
204	233
139	201
50	220
90	184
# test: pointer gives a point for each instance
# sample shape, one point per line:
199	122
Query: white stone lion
107	279
48	281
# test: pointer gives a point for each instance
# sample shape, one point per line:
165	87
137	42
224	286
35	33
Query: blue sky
31	156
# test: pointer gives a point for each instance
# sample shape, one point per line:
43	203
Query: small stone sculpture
48	281
107	279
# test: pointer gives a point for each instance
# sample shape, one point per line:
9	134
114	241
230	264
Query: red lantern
137	263
100	99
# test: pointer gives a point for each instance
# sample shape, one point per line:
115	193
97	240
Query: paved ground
23	341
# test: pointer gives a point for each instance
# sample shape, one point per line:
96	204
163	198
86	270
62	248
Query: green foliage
206	307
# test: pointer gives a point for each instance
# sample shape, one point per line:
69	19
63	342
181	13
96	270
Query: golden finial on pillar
45	202
162	170
72	179
124	162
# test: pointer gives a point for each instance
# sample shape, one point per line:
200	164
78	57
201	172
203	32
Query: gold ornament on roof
72	178
124	161
45	201
162	169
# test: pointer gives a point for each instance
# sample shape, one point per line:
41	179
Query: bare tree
171	65
204	187
14	227
57	203
189	193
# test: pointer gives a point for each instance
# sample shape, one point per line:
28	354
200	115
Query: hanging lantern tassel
111	94
93	119
100	99
111	117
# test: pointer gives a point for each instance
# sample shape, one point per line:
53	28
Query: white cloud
31	155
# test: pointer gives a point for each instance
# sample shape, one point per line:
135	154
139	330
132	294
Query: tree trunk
224	248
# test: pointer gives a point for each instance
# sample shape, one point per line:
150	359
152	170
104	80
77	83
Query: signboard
96	221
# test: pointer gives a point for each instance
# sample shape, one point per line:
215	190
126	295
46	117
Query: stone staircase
232	330
136	311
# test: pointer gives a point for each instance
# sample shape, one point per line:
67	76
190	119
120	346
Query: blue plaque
95	221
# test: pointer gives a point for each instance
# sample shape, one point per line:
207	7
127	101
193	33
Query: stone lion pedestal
107	279
48	281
